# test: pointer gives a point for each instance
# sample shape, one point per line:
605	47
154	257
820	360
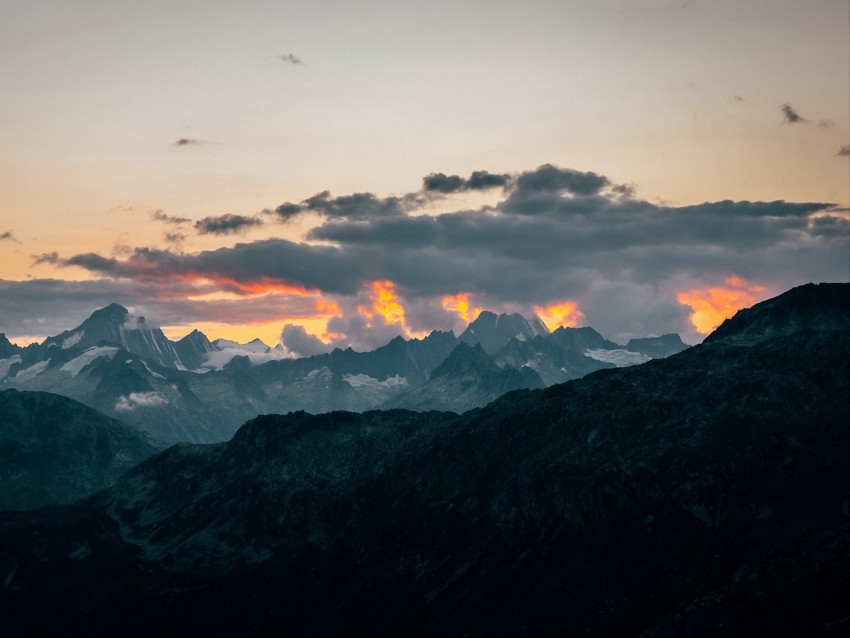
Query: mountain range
200	391
704	494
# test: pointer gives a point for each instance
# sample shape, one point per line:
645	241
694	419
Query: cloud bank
557	236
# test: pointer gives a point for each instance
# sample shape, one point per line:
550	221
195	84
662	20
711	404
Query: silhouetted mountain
704	494
815	306
493	331
658	347
8	349
55	450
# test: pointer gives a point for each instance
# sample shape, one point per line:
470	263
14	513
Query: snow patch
32	372
365	381
620	357
5	364
155	375
218	359
73	340
75	365
140	400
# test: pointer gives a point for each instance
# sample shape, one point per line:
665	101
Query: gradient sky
641	166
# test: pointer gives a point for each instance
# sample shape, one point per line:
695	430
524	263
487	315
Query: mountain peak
824	306
493	331
465	359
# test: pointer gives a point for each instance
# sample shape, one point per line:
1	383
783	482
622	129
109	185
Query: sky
338	174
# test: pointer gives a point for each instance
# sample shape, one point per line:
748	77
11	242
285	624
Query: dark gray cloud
160	216
301	343
356	206
791	116
477	181
9	236
288	211
363	206
843	151
51	306
185	141
291	58
226	224
557	234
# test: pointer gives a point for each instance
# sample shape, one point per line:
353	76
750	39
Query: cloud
160	216
791	116
176	239
185	141
478	180
48	258
557	234
226	224
301	343
843	151
140	400
738	98
291	58
9	236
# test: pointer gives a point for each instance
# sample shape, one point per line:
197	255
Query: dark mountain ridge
703	494
55	450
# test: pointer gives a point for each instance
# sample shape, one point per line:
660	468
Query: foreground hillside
55	450
704	494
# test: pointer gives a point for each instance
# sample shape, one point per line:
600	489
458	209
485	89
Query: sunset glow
560	314
711	306
384	303
459	304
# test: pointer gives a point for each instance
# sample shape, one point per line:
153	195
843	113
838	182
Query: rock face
467	379
658	347
54	450
811	306
493	331
701	495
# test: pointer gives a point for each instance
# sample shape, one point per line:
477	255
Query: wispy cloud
9	236
791	116
226	224
843	151
291	58
160	216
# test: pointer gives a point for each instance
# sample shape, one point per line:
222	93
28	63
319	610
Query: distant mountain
199	391
114	325
658	347
468	378
8	349
701	495
194	349
54	450
494	331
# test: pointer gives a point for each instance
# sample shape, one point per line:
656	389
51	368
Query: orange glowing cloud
560	314
459	304
385	302
711	306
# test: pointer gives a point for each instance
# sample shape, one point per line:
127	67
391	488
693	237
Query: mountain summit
494	331
114	325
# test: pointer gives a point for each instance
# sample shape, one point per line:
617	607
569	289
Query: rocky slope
55	450
704	494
